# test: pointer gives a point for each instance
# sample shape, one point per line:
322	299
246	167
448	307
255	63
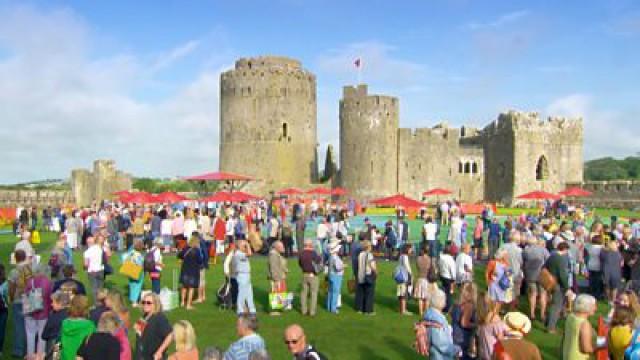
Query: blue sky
130	79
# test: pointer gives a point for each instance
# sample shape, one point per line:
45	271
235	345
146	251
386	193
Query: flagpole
360	74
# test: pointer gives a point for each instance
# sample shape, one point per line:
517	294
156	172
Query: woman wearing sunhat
336	272
514	344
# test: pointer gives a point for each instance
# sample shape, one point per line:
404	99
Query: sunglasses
146	302
291	342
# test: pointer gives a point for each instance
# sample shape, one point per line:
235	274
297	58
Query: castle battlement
282	62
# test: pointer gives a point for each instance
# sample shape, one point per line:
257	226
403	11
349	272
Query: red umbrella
437	191
398	200
226	196
338	191
121	192
245	196
575	192
319	191
171	197
290	191
140	197
219	176
538	195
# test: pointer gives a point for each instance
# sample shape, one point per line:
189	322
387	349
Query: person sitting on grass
250	341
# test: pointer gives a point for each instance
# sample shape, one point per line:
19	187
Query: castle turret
368	142
525	153
268	122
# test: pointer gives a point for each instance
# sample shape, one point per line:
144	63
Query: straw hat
518	323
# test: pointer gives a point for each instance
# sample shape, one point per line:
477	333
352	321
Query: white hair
438	299
584	303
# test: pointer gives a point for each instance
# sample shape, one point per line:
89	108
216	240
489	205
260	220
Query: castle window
474	168
462	131
467	168
249	64
371	166
460	167
419	166
284	130
542	169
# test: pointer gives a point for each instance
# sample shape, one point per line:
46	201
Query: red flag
357	62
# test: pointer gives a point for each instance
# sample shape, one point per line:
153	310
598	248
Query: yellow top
619	339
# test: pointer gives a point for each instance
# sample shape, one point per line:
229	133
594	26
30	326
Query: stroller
225	299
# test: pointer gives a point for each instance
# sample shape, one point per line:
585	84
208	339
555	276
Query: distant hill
609	168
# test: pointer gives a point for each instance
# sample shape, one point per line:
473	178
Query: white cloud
502	20
606	132
175	54
61	108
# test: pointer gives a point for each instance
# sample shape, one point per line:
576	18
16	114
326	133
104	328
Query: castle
268	129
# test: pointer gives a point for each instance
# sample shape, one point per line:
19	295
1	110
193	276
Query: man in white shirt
447	267
314	208
94	265
444	213
464	265
430	231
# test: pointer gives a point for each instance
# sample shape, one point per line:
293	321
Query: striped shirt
241	349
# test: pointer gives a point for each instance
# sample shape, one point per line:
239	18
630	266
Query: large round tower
268	122
368	143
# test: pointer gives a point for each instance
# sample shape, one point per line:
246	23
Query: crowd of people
550	258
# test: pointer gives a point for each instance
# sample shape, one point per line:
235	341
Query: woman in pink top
35	322
491	328
477	238
177	227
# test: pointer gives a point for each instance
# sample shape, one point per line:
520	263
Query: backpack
238	228
149	264
504	282
400	275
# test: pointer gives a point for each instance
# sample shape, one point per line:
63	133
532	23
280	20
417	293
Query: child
51	332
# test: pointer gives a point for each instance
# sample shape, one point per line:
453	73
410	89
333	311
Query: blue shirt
241	349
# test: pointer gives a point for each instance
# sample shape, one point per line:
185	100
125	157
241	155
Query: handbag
504	282
546	280
106	267
32	301
400	275
130	270
351	286
280	301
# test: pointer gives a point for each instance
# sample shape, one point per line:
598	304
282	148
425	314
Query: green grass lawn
348	335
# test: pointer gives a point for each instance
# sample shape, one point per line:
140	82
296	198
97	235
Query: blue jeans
155	285
19	333
335	284
433	247
245	294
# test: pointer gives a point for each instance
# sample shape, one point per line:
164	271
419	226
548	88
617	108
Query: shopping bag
33	300
280	301
351	286
35	237
170	298
131	270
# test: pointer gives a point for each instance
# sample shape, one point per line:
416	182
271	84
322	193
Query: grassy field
348	335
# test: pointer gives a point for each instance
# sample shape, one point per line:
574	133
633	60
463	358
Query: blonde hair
486	309
185	336
116	302
155	299
79	307
109	322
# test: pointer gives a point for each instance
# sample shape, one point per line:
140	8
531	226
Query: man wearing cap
518	325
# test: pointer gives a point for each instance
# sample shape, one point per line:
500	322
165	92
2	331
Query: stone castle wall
368	142
99	184
441	157
525	153
38	198
268	125
623	194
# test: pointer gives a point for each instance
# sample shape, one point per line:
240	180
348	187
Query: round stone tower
268	126
368	143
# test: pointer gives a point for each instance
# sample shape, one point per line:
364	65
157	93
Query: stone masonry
99	184
268	122
268	130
